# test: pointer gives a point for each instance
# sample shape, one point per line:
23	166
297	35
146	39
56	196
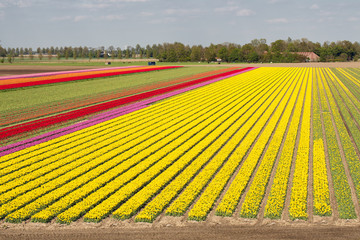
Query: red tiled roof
311	55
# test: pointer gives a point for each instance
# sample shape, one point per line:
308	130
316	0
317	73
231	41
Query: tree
119	53
253	57
149	51
9	58
75	53
133	53
278	46
49	54
210	53
223	54
235	55
180	52
138	49
90	55
67	53
343	57
31	54
21	53
196	53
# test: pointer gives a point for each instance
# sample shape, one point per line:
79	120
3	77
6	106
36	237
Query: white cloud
353	19
2	5
146	14
226	9
112	17
245	12
325	13
2	14
80	18
181	12
275	1
94	6
163	20
62	18
314	7
277	20
118	1
19	3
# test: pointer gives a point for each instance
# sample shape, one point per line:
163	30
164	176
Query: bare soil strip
192	231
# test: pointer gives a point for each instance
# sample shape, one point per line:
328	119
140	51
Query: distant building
311	56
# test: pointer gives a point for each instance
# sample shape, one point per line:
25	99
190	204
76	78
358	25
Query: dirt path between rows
197	231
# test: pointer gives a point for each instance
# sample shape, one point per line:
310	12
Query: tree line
256	51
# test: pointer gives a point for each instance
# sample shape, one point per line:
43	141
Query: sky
122	23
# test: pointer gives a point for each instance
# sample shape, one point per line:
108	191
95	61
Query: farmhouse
311	56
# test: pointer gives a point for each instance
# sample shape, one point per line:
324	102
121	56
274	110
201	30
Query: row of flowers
66	149
276	200
263	128
16	148
342	190
169	152
299	189
142	159
320	175
154	130
349	117
255	195
43	74
232	119
72	157
26	82
233	135
48	121
191	145
36	112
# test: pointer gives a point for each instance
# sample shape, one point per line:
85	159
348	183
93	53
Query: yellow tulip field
276	143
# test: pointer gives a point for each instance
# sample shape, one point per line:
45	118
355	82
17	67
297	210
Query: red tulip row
87	76
45	122
62	106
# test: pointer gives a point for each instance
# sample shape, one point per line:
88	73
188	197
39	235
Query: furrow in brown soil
346	167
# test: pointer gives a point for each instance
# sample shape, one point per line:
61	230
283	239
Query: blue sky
95	23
